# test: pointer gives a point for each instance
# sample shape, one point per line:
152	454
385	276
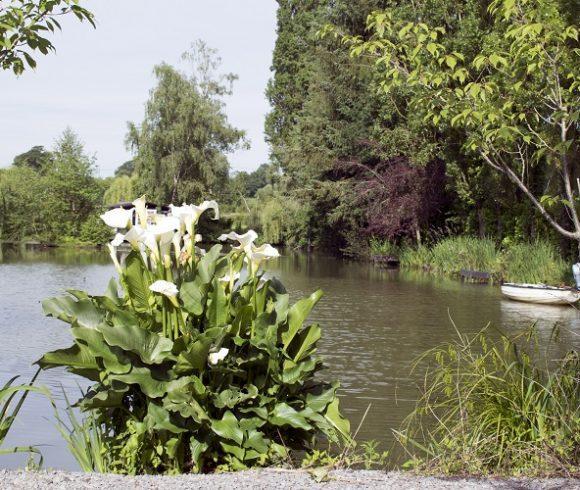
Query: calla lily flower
141	210
165	288
246	240
218	356
113	254
119	238
258	255
189	214
227	277
118	217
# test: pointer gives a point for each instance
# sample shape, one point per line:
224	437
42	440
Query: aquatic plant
200	363
10	406
493	407
535	262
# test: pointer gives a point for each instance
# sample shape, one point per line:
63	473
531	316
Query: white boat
540	293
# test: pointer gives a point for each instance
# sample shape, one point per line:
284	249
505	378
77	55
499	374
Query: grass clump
490	408
451	255
535	262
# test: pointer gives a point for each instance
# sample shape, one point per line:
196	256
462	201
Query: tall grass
535	262
451	255
491	408
84	439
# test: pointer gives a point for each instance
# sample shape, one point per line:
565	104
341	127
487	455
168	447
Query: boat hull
546	295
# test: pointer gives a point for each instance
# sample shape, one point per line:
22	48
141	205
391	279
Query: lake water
375	322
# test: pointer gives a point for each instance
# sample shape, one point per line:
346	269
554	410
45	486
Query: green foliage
10	406
515	96
84	439
451	255
201	373
94	231
125	169
24	24
535	263
121	189
52	197
180	145
491	408
37	158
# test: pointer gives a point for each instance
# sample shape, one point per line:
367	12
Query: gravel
265	479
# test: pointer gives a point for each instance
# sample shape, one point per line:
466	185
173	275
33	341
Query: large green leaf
195	358
77	357
306	341
228	428
103	397
158	418
113	358
193	295
206	266
69	310
143	377
197	448
150	347
335	418
217	312
284	414
297	315
319	402
137	281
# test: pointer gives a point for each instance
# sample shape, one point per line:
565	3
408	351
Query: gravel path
265	479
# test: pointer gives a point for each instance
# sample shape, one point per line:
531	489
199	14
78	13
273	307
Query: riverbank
535	262
270	478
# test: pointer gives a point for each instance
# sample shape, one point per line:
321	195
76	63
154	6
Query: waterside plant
533	262
494	407
200	363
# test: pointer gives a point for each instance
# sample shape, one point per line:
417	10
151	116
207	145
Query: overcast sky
100	78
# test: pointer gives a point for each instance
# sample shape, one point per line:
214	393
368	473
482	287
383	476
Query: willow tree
517	98
181	145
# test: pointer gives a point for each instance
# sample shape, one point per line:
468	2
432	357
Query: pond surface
375	322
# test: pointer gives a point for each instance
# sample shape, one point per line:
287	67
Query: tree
37	158
127	169
517	98
23	25
72	192
181	145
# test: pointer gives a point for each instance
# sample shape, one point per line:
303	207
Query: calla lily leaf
65	308
228	427
284	414
297	315
150	347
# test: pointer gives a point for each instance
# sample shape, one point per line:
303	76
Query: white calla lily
165	288
118	240
228	278
141	210
218	356
258	255
113	254
245	240
189	214
117	217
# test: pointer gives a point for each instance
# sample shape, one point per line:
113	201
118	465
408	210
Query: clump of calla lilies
199	360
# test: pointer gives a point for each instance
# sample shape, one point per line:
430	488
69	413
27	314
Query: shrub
492	407
195	367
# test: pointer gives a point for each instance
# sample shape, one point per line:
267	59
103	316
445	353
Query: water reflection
375	323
